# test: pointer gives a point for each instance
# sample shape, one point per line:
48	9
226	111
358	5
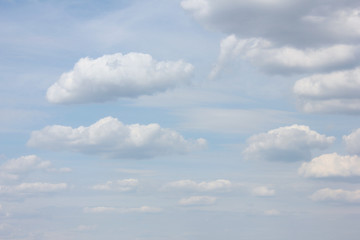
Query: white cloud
33	187
24	164
298	22
332	92
285	60
272	212
217	185
352	141
197	200
119	185
117	76
263	191
331	165
291	143
111	138
327	194
82	228
143	209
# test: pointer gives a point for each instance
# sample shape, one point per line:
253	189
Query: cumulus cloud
331	165
291	143
263	191
33	187
352	142
117	76
286	60
119	185
143	209
24	164
111	138
333	92
328	194
197	200
217	185
298	23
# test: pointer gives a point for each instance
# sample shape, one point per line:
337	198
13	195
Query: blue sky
179	119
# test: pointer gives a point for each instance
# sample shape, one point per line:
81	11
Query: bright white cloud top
332	92
340	195
291	143
352	142
331	165
110	138
117	76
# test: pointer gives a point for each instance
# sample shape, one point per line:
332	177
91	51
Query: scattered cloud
263	191
197	200
217	185
331	165
272	212
143	209
117	76
33	187
119	185
340	195
352	141
286	60
24	164
112	139
330	93
291	143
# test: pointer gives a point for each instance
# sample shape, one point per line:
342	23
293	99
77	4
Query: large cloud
291	143
333	92
285	60
111	138
115	76
331	165
297	23
328	194
352	142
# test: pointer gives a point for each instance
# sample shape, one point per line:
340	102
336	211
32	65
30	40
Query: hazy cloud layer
112	139
286	60
197	200
217	185
143	209
332	92
119	185
328	194
301	23
291	143
117	76
352	142
331	165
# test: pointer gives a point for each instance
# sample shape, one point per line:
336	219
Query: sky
179	119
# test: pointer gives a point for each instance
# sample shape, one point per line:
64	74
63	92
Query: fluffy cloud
119	185
263	191
117	76
331	165
197	200
110	138
352	142
217	185
143	209
291	143
298	23
34	187
285	60
328	194
24	164
333	92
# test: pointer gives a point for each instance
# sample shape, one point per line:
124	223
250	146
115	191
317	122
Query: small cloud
263	191
119	185
272	212
84	228
33	187
217	185
143	209
197	200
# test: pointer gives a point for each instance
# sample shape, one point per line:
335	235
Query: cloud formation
110	138
33	187
352	142
331	165
291	143
197	200
117	76
340	195
217	185
119	185
263	191
143	209
333	92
